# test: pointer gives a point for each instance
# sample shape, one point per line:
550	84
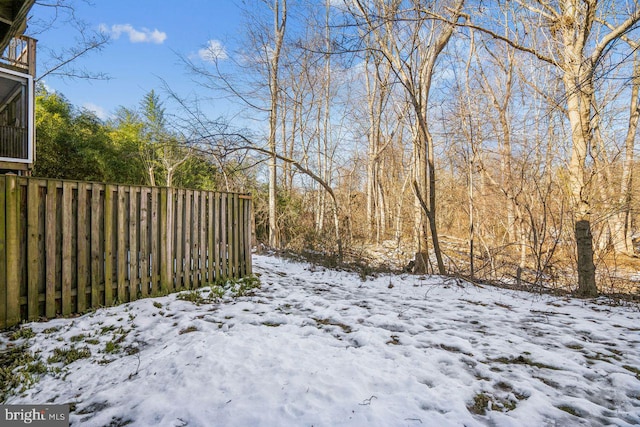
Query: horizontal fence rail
68	246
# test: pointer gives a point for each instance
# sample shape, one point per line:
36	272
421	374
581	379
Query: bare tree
273	55
62	60
411	41
573	36
616	180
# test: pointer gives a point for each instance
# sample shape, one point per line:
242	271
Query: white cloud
143	35
48	88
98	110
213	51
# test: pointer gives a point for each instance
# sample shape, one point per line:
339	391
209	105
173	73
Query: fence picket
108	243
121	249
67	248
134	249
143	248
224	254
51	244
33	252
3	255
83	248
203	239
179	239
210	241
154	257
188	224
229	233
195	227
248	239
216	227
235	229
96	248
12	199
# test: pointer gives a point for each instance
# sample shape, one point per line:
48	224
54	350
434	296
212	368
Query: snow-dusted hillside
323	348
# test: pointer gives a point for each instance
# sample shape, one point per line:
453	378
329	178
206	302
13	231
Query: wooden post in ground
33	251
51	229
12	200
67	248
3	255
108	243
83	248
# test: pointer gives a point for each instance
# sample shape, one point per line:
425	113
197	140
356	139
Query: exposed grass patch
245	286
602	357
111	347
548	382
68	355
77	338
232	288
19	369
504	386
122	335
574	346
507	306
217	292
130	350
482	304
194	296
328	322
522	360
454	349
395	340
22	333
271	324
632	369
480	404
156	304
93	408
480	376
188	330
614	351
484	401
570	410
106	329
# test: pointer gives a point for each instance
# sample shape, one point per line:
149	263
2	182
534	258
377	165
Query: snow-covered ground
317	347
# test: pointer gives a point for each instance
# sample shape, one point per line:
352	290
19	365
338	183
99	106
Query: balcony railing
20	55
14	142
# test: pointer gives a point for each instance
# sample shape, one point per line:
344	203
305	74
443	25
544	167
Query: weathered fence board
3	254
84	236
32	248
68	246
12	251
96	249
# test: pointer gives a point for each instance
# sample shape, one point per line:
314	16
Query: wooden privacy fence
67	246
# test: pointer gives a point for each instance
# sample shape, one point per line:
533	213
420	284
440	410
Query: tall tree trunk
579	112
622	227
152	176
280	19
414	67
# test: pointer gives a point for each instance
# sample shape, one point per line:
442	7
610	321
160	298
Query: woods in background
494	139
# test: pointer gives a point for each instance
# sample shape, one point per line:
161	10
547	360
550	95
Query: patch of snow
319	347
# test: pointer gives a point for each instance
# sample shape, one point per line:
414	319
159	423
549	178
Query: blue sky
147	39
